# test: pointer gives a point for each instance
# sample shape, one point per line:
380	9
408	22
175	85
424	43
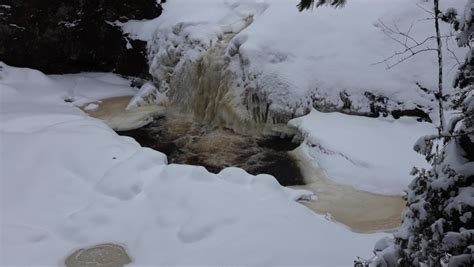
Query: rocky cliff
63	36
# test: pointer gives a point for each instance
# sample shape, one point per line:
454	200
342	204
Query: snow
371	154
89	87
132	119
147	94
91	106
69	181
80	89
292	56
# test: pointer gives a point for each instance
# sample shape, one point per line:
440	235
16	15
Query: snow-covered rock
286	62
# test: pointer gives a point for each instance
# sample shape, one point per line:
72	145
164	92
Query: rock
63	36
374	106
104	255
416	112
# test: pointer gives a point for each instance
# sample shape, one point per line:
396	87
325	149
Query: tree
308	4
409	50
412	47
438	223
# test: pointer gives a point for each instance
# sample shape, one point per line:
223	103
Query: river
186	141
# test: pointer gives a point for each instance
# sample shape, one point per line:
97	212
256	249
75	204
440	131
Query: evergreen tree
438	224
308	4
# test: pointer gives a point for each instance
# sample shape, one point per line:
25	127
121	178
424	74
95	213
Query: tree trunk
439	95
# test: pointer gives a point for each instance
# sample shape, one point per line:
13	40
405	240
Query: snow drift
372	154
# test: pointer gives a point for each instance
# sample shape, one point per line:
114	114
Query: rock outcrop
63	36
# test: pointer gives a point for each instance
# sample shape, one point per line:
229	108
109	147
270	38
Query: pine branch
309	4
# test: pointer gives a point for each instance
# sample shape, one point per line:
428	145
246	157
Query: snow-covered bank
371	154
286	62
69	181
86	90
86	87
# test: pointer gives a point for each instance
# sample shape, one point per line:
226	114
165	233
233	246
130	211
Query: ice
147	95
91	106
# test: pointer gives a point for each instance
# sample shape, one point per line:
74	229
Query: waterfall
200	79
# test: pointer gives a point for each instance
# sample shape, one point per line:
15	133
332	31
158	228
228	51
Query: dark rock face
65	36
412	113
378	105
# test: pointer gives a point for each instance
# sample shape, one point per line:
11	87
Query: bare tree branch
403	56
424	9
410	45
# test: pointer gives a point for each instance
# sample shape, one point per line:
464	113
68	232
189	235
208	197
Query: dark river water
187	142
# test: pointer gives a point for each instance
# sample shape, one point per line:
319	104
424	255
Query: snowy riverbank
68	181
370	154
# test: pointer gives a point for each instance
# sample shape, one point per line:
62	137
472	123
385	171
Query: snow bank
69	181
89	87
329	52
374	155
80	88
323	59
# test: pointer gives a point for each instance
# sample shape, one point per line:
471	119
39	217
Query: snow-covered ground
88	87
69	181
371	154
323	58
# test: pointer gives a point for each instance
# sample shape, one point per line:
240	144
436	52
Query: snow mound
84	88
371	154
80	88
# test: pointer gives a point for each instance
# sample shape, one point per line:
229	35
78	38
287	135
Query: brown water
185	141
114	113
359	210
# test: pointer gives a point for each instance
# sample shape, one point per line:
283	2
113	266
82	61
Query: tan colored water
114	113
110	107
360	211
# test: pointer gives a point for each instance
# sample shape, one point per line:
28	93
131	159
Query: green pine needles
309	4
